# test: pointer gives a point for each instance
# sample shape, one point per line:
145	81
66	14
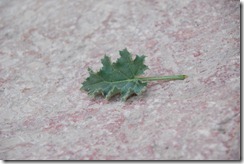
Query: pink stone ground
45	50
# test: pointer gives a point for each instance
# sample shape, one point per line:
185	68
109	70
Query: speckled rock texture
46	47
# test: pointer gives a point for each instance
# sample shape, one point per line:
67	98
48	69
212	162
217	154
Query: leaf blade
118	77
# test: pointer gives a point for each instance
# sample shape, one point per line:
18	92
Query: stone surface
46	47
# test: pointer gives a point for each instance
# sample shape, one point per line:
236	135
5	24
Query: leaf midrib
112	82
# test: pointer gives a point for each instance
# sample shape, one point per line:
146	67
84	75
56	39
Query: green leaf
117	78
121	77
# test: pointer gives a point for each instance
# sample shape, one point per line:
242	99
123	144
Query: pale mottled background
47	45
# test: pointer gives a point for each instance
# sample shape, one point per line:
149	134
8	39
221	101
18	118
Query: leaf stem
173	77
